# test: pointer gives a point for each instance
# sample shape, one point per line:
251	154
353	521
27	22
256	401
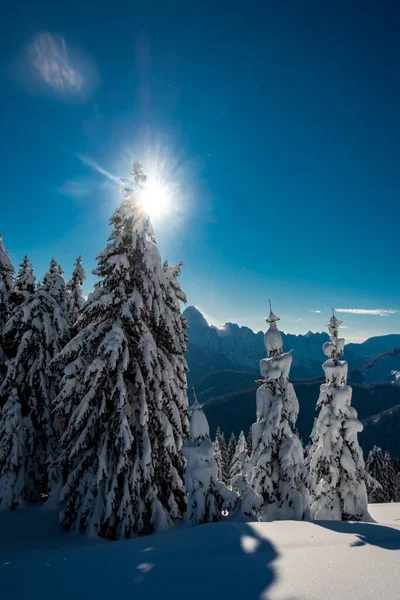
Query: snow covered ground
280	560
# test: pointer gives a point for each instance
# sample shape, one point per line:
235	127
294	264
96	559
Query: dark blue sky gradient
279	119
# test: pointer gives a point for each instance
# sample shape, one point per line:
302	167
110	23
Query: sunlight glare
155	198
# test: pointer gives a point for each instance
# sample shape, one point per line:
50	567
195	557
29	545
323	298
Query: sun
155	198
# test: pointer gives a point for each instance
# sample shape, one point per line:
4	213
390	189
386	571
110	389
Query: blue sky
276	125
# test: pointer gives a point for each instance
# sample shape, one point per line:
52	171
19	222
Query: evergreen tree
24	282
335	458
222	456
240	460
278	474
376	467
391	479
249	442
74	286
207	496
29	431
54	283
6	288
124	406
218	457
231	453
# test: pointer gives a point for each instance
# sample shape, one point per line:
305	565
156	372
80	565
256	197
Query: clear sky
275	124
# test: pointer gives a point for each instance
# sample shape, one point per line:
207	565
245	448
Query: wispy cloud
380	312
317	312
51	58
94	165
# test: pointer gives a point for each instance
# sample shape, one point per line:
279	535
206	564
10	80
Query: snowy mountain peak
194	316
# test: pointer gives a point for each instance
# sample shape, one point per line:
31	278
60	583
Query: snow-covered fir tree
54	283
29	431
218	457
249	442
174	295
278	474
6	288
240	460
221	456
123	396
76	300
24	282
335	457
207	496
231	453
379	465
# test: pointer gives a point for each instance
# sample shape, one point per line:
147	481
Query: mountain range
235	348
224	364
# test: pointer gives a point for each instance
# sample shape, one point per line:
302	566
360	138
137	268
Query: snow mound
274	561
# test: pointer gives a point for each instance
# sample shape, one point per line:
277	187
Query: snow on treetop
334	322
198	428
273	339
271	318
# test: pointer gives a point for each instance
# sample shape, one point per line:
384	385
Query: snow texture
275	561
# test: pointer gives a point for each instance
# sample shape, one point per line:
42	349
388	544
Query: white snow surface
283	560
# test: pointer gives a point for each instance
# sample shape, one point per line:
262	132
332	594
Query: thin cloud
379	312
317	312
51	59
94	165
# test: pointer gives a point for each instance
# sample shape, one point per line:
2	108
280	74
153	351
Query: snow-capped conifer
379	466
278	473
174	295
249	502
54	283
207	496
76	300
240	460
335	458
231	453
29	431
122	402
218	457
6	288
249	442
24	282
221	455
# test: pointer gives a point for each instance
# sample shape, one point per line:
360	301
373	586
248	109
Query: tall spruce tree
124	407
29	431
231	453
24	282
6	289
240	460
381	467
221	453
249	442
335	458
278	473
74	286
217	457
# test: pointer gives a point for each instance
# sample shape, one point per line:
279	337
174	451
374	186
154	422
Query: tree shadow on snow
226	560
373	534
221	560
